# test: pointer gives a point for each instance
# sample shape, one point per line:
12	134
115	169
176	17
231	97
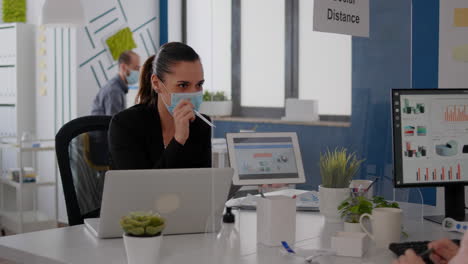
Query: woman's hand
444	250
183	114
409	258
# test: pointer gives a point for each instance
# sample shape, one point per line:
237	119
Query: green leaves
353	207
214	96
14	11
142	224
120	42
337	168
380	202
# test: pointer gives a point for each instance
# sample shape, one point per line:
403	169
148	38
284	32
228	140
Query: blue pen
286	246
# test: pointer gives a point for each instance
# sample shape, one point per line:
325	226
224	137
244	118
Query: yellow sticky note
42	51
43	91
460	53
43	77
460	17
42	38
43	64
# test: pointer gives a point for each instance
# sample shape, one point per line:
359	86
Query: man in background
111	98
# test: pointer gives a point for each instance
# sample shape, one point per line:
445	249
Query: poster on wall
453	44
350	17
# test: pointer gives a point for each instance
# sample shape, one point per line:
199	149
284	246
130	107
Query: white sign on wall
350	17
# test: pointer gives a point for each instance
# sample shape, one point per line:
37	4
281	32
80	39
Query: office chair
83	158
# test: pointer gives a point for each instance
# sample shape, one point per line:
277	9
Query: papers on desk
305	200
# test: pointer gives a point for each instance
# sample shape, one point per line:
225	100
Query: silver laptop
191	200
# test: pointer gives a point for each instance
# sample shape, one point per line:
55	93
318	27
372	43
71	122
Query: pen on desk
203	118
426	252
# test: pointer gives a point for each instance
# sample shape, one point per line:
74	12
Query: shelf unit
17	112
20	220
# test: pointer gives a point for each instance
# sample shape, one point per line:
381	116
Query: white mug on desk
386	225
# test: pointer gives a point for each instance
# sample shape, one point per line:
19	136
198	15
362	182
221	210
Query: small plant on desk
142	224
337	168
142	237
353	207
351	210
380	202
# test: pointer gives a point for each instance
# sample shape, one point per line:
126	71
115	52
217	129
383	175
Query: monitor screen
265	158
430	129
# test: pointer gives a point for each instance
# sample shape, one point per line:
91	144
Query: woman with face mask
162	130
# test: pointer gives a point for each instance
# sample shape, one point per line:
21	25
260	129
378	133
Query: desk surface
235	243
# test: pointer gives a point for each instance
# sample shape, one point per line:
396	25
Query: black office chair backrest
83	158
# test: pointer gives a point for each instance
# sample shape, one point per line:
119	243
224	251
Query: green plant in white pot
142	237
351	210
337	169
216	104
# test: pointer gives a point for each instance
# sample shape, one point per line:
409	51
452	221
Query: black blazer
136	142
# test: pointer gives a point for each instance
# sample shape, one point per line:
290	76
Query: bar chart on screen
456	113
442	173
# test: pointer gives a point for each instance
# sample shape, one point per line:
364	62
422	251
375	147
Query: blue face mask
195	98
132	78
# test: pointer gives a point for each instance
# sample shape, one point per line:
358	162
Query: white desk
235	243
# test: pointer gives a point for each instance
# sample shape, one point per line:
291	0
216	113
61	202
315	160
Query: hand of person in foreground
444	250
409	258
461	256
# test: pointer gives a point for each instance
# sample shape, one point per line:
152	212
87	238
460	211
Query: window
324	65
209	33
264	51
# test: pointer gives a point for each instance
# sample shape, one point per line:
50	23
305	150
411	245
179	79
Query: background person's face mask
195	98
132	78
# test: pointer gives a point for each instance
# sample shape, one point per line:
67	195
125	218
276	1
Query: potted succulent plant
216	104
142	237
337	168
351	210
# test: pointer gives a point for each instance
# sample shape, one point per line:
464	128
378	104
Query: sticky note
43	64
42	38
42	51
43	91
43	77
460	53
460	17
42	28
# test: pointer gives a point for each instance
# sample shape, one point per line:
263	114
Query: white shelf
7	100
25	184
32	221
27	149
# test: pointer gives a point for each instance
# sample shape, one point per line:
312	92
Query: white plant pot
353	227
329	200
216	108
142	250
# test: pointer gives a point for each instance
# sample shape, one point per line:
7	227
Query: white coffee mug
386	225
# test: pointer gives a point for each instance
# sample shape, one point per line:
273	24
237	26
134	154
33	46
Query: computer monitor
265	158
430	143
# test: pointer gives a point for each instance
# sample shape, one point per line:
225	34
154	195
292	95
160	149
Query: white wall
133	14
452	72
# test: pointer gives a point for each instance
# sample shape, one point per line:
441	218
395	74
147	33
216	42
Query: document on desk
305	200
